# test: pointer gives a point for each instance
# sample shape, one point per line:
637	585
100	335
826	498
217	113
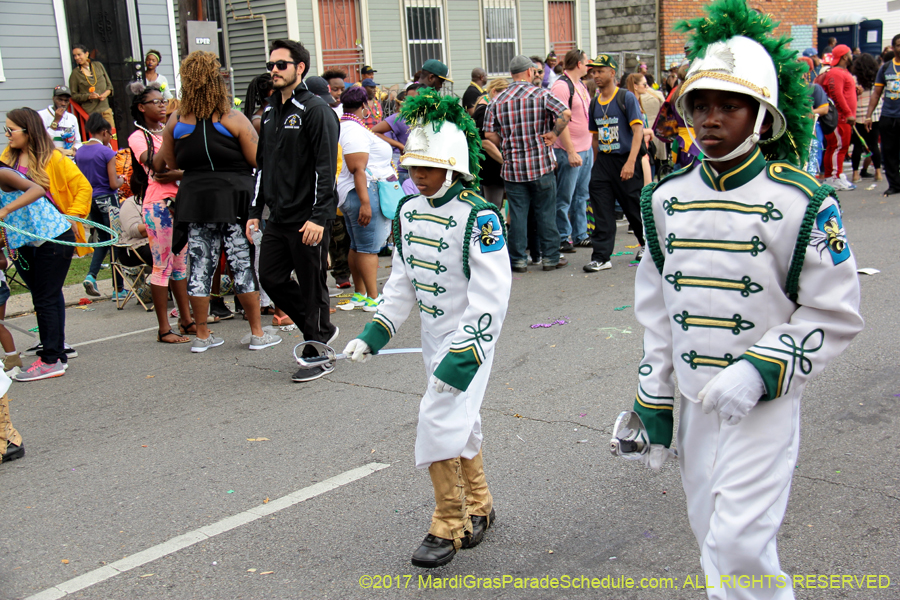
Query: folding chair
134	279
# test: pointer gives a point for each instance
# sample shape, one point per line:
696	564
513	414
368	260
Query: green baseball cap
438	68
604	60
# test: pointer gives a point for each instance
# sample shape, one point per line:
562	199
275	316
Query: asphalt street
141	443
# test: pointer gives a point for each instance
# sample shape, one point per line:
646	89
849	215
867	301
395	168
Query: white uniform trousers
737	480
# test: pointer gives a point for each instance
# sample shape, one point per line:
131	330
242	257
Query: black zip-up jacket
296	160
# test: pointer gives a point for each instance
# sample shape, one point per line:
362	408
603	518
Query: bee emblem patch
829	235
488	233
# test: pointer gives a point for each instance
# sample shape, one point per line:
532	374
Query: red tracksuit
841	88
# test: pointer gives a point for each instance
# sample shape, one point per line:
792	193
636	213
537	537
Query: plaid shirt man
520	115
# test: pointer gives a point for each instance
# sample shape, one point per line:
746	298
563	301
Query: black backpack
829	120
139	178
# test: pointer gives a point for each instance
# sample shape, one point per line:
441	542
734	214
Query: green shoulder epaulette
816	192
478	204
398	235
652	239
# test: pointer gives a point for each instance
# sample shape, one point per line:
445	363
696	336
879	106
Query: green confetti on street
622	307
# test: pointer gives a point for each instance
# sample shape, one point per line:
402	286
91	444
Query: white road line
114	337
204	533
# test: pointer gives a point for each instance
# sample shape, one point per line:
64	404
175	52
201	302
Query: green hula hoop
113	239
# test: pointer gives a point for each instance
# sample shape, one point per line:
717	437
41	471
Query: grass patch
77	270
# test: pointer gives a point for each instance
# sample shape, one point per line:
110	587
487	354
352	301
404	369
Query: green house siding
386	35
532	21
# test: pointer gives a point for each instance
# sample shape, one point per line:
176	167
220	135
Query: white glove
442	386
657	456
358	351
733	392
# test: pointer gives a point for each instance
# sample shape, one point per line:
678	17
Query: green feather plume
729	18
431	107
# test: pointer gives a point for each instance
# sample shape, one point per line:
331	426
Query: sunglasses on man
281	65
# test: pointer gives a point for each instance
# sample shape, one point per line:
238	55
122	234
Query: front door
102	26
341	40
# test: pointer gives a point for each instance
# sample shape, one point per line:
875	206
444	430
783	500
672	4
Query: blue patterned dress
40	218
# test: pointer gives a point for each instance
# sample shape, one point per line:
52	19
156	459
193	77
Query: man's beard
287	82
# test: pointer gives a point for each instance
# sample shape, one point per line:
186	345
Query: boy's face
723	120
428	179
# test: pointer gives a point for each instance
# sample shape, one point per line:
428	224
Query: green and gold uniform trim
435	266
460	364
753	246
434	311
433	288
772	371
736	324
416	239
645	369
650	401
765	211
658	420
450	194
735	177
744	285
698	360
414	215
469	348
377	333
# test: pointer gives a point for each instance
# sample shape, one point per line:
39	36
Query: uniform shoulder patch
488	233
829	235
471	198
788	174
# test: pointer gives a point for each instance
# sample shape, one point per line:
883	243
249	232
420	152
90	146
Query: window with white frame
501	39
424	32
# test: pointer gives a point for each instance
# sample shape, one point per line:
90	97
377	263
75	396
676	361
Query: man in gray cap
62	125
518	121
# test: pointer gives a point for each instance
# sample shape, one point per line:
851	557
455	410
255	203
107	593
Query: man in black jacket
296	163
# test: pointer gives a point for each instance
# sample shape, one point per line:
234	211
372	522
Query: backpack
829	120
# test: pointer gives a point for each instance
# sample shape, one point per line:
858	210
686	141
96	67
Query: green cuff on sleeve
458	368
659	422
376	336
772	371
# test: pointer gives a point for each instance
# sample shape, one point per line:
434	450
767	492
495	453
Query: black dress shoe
479	526
217	308
13	452
434	552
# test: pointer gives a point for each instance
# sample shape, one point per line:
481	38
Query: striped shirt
520	115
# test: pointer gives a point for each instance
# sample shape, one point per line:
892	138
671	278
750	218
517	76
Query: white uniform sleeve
827	317
490	281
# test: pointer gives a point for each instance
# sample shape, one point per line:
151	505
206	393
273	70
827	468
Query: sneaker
311	373
357	300
371	304
217	308
534	261
12	361
33	350
594	266
90	286
41	370
639	254
266	340
343	284
199	345
519	268
120	295
585	243
847	185
567	247
834	182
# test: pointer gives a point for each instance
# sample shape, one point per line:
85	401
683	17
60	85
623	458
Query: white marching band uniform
438	243
747	265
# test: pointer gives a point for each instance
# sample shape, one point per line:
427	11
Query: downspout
658	49
250	17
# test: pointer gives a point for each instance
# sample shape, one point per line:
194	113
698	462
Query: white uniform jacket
451	262
748	264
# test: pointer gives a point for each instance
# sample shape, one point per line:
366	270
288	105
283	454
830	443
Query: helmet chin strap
745	146
448	183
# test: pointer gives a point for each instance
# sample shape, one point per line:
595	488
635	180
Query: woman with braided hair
151	63
216	147
158	189
258	93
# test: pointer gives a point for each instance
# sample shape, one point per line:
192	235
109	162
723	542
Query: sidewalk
21	303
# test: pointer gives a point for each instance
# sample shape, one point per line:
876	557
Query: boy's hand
733	392
441	386
358	351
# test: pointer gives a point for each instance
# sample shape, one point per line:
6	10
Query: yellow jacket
70	190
